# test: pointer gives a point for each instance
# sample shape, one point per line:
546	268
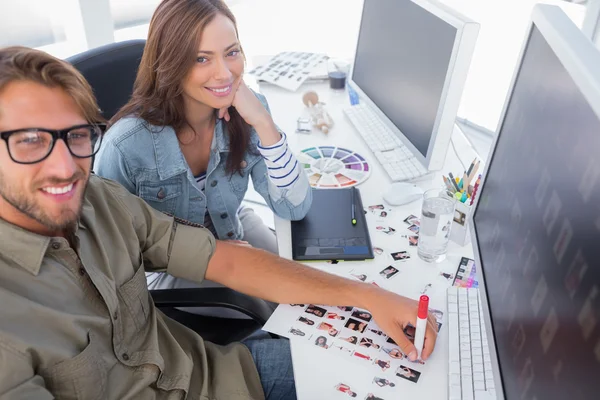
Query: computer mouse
401	193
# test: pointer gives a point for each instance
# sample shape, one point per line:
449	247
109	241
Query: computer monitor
537	220
410	66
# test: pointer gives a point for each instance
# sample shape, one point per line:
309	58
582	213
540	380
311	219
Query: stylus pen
353	206
421	324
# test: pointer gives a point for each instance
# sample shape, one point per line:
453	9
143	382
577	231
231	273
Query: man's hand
261	274
393	313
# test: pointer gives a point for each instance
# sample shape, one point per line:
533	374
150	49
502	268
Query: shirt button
125	356
81	271
213	183
161	194
55	245
230	234
243	164
224	215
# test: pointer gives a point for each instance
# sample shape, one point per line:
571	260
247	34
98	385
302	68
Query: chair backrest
111	71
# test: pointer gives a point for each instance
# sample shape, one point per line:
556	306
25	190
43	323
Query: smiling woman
193	134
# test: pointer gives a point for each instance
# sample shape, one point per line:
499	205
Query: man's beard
27	205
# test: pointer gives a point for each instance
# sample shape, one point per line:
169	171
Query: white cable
456	152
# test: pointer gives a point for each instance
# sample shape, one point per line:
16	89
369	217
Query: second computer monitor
411	62
537	220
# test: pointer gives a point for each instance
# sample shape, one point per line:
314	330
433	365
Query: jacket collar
221	140
169	158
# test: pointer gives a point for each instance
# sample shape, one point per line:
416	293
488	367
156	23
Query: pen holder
459	233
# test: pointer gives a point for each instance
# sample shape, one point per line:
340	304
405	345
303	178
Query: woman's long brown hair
169	54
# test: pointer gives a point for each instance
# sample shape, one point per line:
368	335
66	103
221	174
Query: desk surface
317	383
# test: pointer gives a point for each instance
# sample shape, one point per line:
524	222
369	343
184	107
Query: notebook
327	232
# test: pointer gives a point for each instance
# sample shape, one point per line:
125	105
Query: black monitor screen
401	63
538	231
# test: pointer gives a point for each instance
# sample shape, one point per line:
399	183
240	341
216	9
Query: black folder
327	232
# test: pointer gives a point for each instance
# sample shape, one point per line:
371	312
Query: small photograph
426	288
318	311
410	220
414	228
460	217
394	352
413	241
378	250
400	255
332	315
342	387
383	364
324	326
447	275
377	208
368	343
360	277
371	396
341	349
297	332
382	382
355	325
437	314
381	215
364	315
321	341
388	230
377	332
350	339
390	340
408	373
388	272
306	321
345	308
361	356
409	331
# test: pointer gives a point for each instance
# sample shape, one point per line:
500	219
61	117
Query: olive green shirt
79	323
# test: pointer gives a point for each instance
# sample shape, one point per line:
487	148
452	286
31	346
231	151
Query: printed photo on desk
352	333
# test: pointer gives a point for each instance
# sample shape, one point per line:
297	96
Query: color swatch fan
330	167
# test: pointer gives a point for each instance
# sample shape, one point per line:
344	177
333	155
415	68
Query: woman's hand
254	113
248	106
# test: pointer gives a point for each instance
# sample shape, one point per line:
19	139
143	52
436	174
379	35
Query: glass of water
436	222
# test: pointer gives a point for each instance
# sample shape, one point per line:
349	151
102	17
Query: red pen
475	189
421	324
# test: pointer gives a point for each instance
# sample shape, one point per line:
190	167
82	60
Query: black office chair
111	72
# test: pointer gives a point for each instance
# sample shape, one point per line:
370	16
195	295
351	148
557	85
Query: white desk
317	373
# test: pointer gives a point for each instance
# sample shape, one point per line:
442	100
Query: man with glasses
76	319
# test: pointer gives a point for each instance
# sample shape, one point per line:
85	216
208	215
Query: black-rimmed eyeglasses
32	145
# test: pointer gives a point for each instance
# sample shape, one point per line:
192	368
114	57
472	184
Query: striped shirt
283	167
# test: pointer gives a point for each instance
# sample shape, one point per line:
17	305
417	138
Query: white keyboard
395	158
470	368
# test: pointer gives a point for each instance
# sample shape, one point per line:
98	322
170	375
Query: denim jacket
148	161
